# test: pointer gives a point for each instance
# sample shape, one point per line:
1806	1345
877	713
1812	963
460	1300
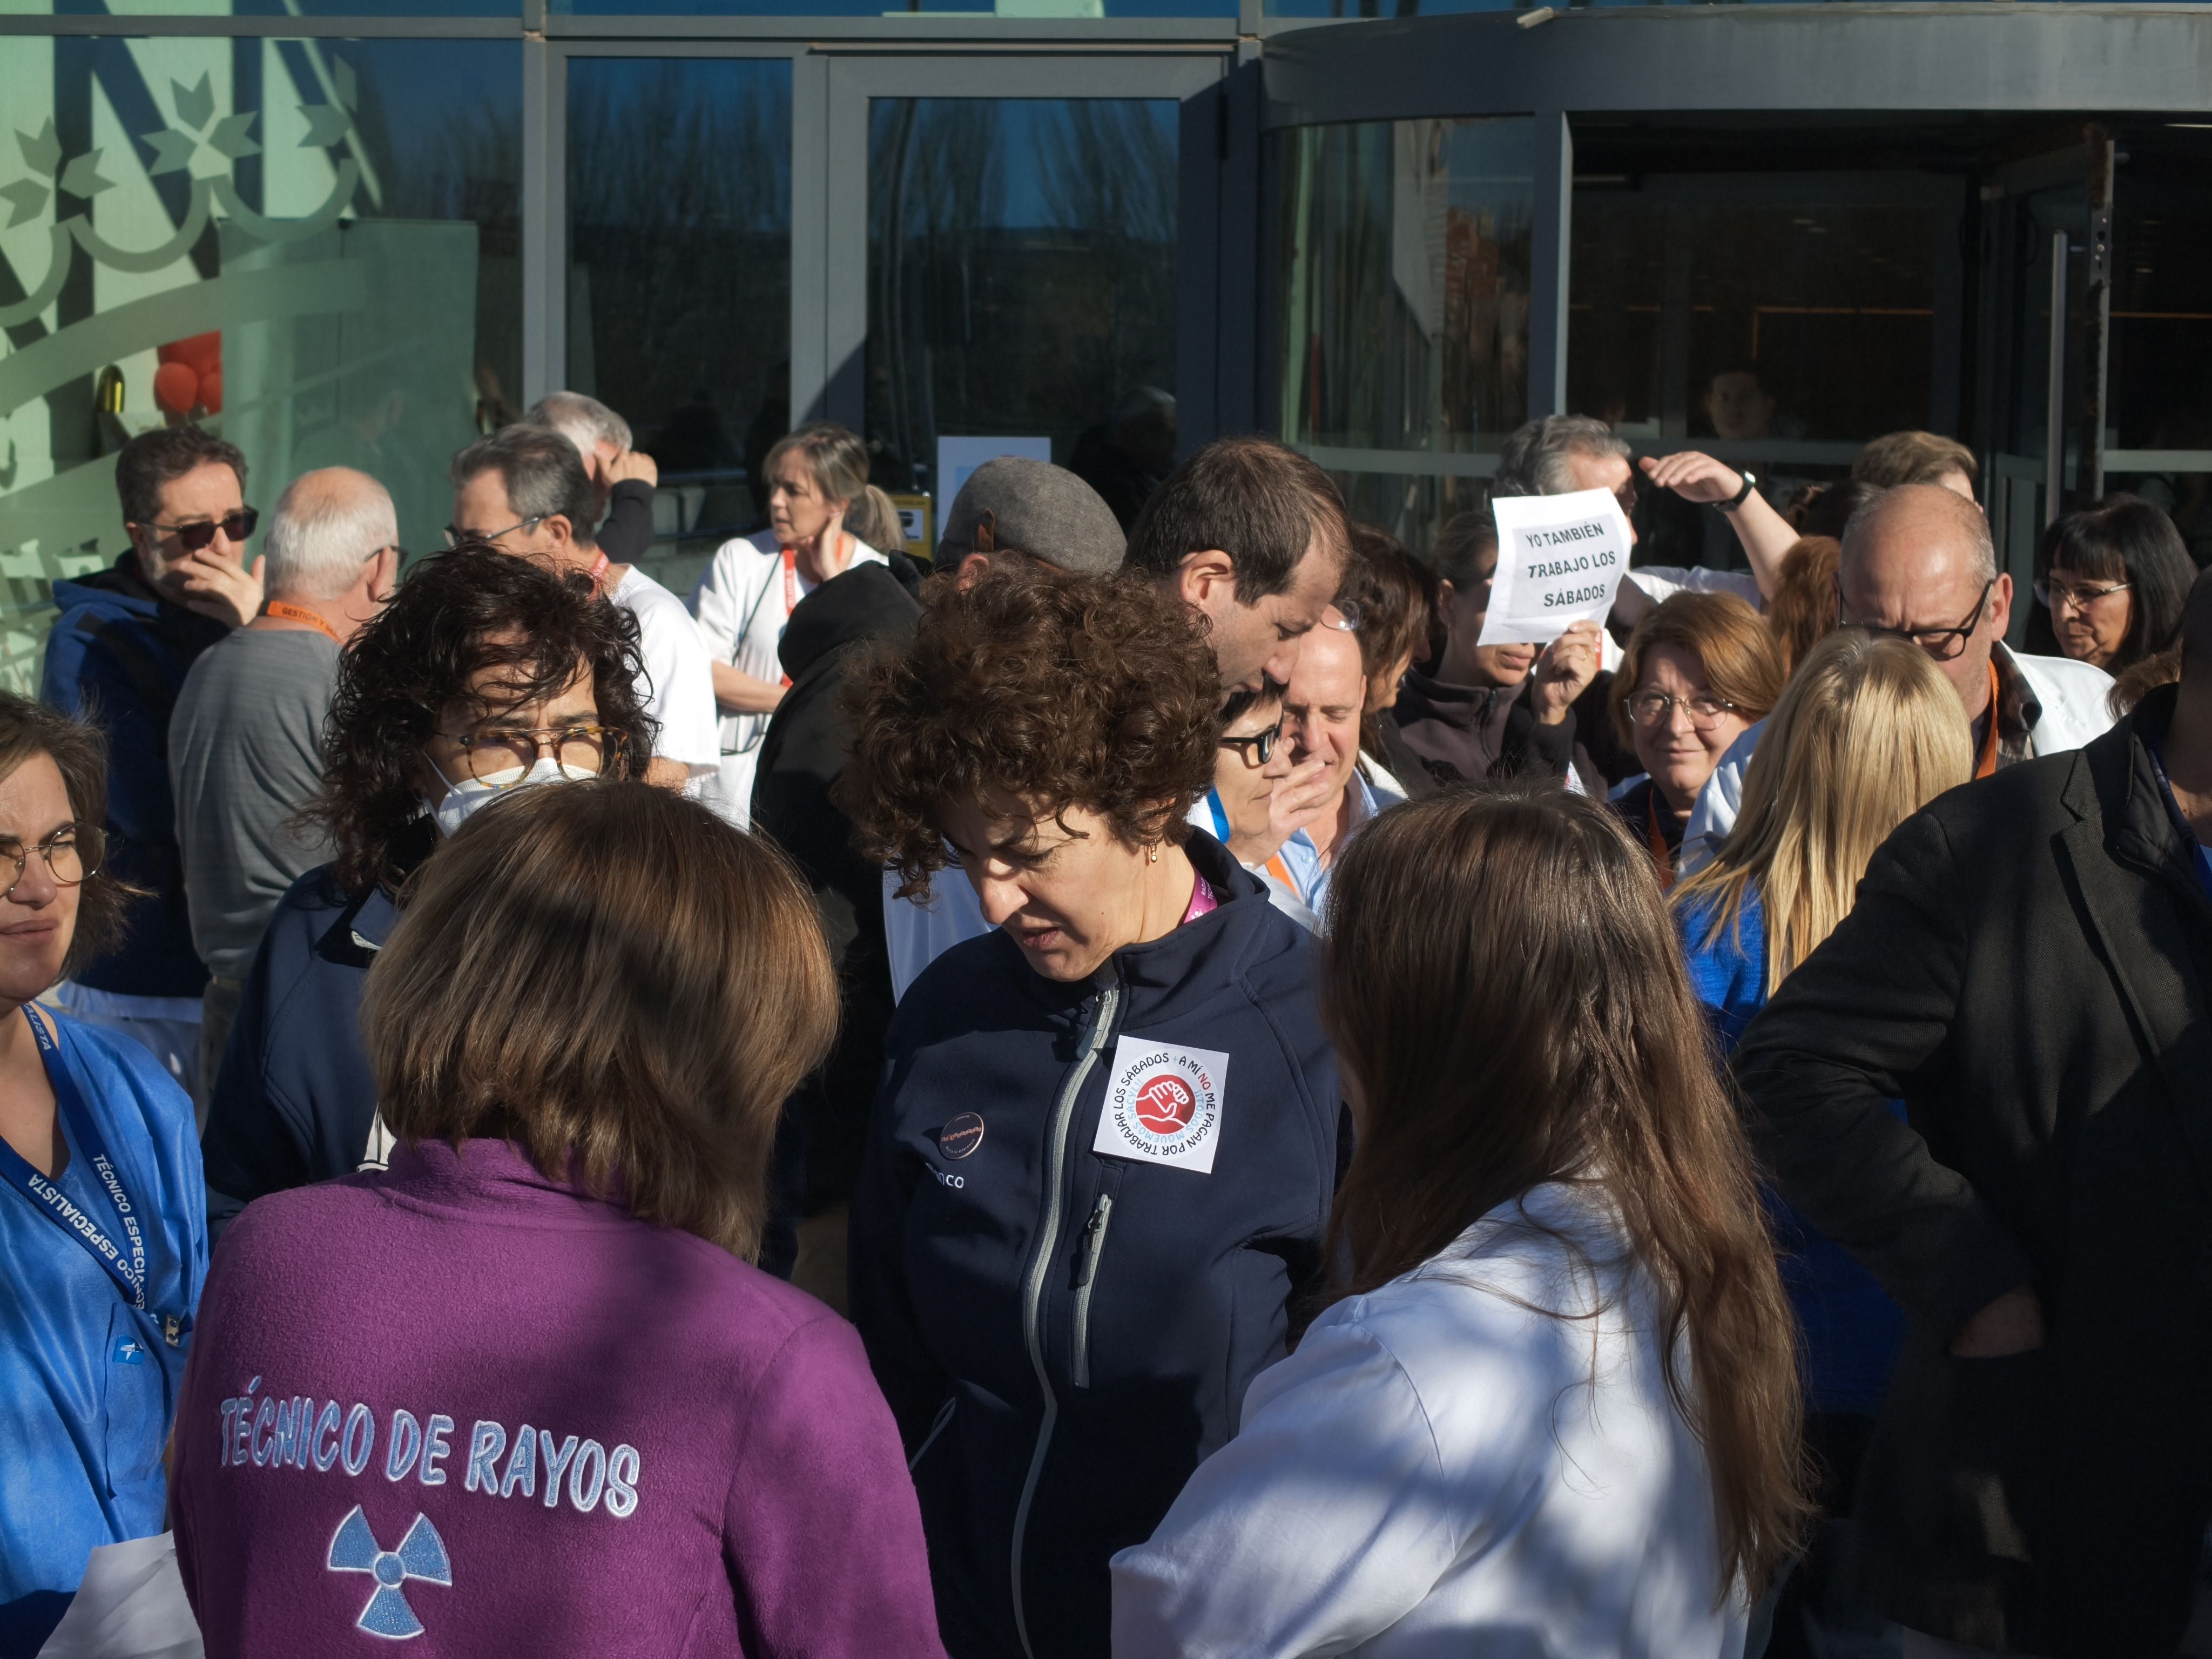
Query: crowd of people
1086	1090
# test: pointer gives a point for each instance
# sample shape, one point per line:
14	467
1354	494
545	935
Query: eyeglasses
1940	643
1347	620
1658	709
493	754
72	853
455	536
2058	595
201	532
1264	741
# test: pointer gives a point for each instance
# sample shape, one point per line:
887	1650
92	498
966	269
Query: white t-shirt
678	689
743	603
1481	1457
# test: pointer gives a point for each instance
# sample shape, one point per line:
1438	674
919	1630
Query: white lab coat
1441	1469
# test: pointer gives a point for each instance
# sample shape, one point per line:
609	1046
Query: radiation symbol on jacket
420	1555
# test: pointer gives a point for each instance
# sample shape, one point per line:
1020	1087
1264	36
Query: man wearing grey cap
1009	509
1032	509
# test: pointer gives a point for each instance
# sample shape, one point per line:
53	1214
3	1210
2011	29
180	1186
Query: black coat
802	756
2027	968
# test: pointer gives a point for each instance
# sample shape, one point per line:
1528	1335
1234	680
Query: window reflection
310	246
1405	250
679	281
1022	283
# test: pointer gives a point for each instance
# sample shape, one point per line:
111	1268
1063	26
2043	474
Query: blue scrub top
87	1384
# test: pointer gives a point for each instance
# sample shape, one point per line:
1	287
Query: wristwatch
1750	483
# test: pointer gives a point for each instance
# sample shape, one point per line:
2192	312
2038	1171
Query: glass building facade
365	231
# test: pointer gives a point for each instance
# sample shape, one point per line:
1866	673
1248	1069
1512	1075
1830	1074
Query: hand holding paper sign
1564	671
1559	559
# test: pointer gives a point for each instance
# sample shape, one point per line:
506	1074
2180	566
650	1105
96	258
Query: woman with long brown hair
1554	1405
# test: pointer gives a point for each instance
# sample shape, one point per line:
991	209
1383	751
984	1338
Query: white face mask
464	799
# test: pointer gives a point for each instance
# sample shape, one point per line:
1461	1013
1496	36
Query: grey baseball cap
1033	508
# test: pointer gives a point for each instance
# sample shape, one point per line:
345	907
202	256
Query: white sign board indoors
1559	559
958	457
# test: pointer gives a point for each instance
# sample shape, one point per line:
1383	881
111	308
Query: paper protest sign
1560	558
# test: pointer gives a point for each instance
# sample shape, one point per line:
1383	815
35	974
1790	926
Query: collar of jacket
865	602
1193	959
2018	711
2119	783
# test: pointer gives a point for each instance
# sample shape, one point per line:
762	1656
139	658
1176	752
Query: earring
1151	855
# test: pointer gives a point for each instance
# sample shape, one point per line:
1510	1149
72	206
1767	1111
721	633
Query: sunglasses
201	532
1261	742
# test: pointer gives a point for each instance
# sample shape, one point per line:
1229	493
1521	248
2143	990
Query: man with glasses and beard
125	639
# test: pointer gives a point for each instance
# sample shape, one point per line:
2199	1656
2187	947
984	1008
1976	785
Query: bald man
1918	562
1322	711
246	742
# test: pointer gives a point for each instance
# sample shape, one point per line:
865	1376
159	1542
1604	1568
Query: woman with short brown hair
1552	1407
527	1382
1101	1161
104	1228
1700	670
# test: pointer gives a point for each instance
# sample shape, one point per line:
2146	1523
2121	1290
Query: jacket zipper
1063	1112
1094	1242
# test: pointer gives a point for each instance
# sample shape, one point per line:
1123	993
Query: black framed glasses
455	535
495	752
1262	743
72	852
1656	708
2078	595
200	533
1940	643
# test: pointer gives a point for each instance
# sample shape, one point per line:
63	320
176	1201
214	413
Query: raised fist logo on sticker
1162	1104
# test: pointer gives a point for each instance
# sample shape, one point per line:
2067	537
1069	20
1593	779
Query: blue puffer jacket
1063	1333
117	656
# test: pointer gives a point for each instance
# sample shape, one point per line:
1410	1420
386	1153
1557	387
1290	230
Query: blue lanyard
125	1262
1220	815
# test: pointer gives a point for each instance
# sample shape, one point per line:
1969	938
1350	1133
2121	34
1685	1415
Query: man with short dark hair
1254	536
524	490
2028	968
118	654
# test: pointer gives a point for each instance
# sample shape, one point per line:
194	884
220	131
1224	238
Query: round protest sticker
962	1136
1162	1104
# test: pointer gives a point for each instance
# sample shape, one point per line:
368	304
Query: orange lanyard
598	569
300	613
1662	860
791	582
1987	765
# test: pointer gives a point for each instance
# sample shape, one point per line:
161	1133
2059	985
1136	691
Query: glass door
1014	246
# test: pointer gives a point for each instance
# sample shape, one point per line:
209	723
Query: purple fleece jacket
460	1402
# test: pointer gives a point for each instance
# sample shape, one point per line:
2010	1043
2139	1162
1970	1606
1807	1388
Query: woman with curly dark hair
1101	1164
485	673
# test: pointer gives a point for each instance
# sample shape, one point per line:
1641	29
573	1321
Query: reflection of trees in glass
979	325
679	202
1405	249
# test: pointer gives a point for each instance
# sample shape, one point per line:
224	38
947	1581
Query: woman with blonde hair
1867	733
1552	1407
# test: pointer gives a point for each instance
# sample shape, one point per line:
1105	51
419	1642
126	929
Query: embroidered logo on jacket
1163	1104
420	1555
